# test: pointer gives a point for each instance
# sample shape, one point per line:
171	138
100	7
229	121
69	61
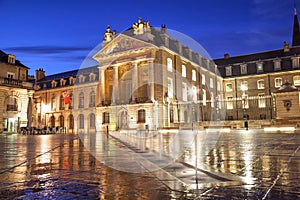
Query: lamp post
244	103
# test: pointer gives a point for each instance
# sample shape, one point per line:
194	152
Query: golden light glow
282	129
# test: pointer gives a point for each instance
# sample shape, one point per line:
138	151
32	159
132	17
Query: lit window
260	84
53	83
81	100
61	102
229	103
295	61
204	97
211	83
194	90
203	79
169	64
229	87
259	67
183	71
244	69
71	79
228	71
261	100
296	80
53	103
244	85
184	92
194	75
92	120
245	102
141	116
170	88
92	76
11	59
278	82
218	86
62	82
92	99
277	65
212	100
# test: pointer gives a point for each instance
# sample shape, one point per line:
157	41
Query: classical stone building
16	93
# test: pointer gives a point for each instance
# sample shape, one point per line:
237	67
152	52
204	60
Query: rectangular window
53	104
278	82
244	69
204	97
141	116
295	62
229	103
218	86
194	78
261	100
277	65
259	67
194	90
211	83
105	118
212	100
10	75
245	101
228	71
184	92
244	85
229	87
203	79
296	80
170	88
260	84
169	64
183	71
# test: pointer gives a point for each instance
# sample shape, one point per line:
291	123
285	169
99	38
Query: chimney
164	35
286	47
39	74
163	29
226	56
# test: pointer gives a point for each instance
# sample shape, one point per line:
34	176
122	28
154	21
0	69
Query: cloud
45	49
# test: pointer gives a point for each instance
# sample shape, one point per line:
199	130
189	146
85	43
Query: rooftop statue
141	27
109	35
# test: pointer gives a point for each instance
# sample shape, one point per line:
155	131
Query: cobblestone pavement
237	165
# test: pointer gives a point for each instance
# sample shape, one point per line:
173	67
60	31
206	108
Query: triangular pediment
122	43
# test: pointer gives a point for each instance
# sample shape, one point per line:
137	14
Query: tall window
71	121
194	91
105	118
261	100
183	71
244	85
204	97
211	83
52	121
218	86
169	64
228	71
92	99
203	79
259	67
12	104
61	121
194	78
170	88
295	62
92	120
53	103
244	69
277	65
10	75
81	100
229	103
296	80
212	100
61	102
229	87
184	92
278	82
260	84
245	101
81	121
171	115
141	116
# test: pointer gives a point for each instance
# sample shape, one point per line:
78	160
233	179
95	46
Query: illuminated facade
16	94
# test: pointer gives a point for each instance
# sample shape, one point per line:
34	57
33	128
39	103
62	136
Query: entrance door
123	120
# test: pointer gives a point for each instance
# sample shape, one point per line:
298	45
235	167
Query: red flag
66	96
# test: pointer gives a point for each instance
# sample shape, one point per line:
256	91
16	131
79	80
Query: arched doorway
61	121
123	120
52	121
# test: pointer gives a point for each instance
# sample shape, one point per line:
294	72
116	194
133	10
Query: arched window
71	121
53	103
141	116
92	120
92	99
61	102
81	121
61	121
52	121
81	100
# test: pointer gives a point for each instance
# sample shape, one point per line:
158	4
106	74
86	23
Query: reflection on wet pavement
240	165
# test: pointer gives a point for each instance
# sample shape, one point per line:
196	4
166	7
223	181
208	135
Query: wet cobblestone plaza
237	165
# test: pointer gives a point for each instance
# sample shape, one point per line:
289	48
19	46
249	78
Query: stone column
101	85
134	81
115	91
150	80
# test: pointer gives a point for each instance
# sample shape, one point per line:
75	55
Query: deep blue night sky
58	34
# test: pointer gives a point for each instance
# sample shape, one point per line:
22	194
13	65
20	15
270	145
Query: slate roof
4	59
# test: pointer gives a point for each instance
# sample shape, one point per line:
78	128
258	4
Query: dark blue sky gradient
58	34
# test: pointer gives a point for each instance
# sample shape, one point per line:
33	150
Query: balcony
15	83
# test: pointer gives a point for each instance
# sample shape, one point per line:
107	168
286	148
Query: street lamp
244	87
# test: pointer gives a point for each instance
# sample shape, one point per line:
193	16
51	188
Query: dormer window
295	62
62	82
228	70
11	59
244	69
259	67
81	79
92	77
277	64
53	83
71	79
10	75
